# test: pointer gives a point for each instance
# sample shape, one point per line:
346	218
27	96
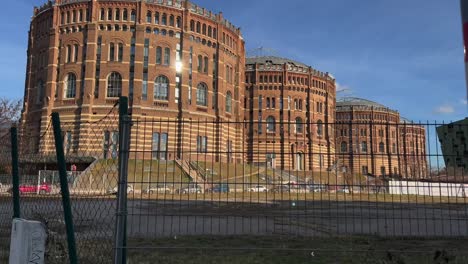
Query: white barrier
28	241
428	188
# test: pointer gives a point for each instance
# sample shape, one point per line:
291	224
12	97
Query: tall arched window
69	54
363	146
202	94
161	88
198	27
148	17
209	31
114	85
133	15
344	147
40	91
111	51
109	14
70	91
204	29
200	63
125	15
205	66
381	147
156	17
101	14
164	19
192	25
319	127
214	33
299	125
167	56
271	124
171	20
179	22
228	102
158	55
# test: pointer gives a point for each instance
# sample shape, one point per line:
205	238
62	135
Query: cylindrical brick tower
175	61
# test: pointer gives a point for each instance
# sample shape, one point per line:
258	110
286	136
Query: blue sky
405	54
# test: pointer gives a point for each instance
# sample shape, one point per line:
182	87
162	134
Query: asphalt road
95	218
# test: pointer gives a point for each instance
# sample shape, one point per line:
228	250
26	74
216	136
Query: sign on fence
28	239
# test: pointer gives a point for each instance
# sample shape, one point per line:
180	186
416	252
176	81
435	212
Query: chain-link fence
212	191
91	177
6	203
191	182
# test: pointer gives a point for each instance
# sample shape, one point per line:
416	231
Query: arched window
164	19
204	29
299	125
205	66
200	63
117	14
68	17
120	54
125	15
133	15
271	124
74	16
156	17
109	14
214	33
381	147
167	56
171	20
228	102
62	18
158	55
70	91
114	85
192	25
40	91
344	147
69	54
198	27
161	88
111	51
101	14
209	31
319	127
75	52
148	17
179	22
202	94
363	146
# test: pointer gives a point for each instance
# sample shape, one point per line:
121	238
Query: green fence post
64	188
15	172
124	147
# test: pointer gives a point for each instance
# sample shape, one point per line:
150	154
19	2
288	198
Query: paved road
95	218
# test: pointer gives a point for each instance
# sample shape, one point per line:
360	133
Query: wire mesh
91	174
6	203
212	179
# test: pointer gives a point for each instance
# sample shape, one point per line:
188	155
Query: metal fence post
124	147
15	173
64	188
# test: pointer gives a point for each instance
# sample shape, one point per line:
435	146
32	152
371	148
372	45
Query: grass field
250	249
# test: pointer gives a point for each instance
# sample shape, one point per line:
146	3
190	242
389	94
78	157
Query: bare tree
10	110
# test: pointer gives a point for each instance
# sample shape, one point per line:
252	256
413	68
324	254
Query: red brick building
372	138
173	59
290	108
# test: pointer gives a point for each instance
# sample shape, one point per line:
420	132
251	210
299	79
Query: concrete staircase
193	172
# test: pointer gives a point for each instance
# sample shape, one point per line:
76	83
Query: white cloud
343	88
444	109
